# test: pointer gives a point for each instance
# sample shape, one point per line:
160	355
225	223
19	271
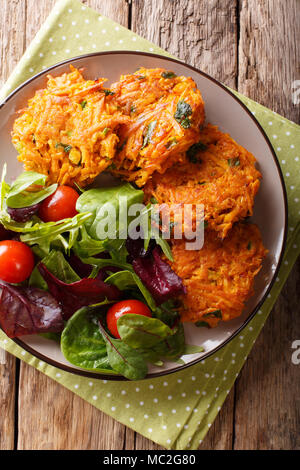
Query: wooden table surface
252	46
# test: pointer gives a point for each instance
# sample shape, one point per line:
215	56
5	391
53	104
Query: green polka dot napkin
177	410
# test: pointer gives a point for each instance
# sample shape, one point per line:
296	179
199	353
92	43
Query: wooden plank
269	53
269	382
267	414
203	34
12	19
51	417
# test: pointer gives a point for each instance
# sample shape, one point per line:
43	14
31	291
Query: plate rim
103	376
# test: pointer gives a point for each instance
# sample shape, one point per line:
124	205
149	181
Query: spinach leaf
94	199
123	359
139	331
201	324
17	196
149	133
183	110
82	343
125	280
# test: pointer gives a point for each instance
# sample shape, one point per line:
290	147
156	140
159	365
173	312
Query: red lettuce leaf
159	278
23	214
26	311
78	294
6	234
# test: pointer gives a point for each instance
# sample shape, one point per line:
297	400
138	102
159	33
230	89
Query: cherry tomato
122	308
16	261
60	205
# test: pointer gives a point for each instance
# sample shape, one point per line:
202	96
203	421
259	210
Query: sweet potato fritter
166	115
218	173
219	277
68	129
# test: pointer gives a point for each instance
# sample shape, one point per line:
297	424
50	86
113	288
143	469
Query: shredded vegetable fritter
218	173
219	277
166	114
68	130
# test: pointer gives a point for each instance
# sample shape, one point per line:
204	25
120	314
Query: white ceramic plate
224	110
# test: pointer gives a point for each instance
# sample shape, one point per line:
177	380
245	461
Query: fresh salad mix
109	302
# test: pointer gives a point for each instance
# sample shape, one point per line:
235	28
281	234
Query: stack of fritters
148	129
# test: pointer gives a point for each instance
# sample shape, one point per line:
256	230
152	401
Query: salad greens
80	271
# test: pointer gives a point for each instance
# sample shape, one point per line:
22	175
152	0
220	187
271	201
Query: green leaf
139	331
93	200
149	133
83	104
58	266
125	280
82	343
43	234
17	197
123	359
192	349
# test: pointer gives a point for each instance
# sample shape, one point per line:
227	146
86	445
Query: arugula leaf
123	359
183	110
149	133
139	331
43	234
17	196
82	343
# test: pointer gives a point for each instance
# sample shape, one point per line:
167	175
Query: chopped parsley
215	314
149	133
132	109
233	162
108	92
153	200
66	148
193	151
249	246
168	74
106	131
183	110
83	104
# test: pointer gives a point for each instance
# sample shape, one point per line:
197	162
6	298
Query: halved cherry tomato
60	205
122	308
16	261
